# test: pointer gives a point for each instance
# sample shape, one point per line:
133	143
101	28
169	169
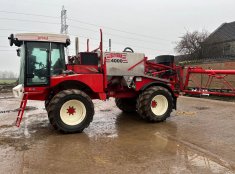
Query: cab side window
57	59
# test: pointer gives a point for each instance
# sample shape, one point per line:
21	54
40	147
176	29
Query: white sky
161	21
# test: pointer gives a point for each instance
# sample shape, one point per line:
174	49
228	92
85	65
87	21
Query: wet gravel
197	138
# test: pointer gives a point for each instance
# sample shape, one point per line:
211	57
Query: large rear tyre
46	103
126	104
155	104
70	111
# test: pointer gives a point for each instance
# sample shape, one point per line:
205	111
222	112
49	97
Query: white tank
119	63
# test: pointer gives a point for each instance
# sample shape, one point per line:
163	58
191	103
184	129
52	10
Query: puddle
192	158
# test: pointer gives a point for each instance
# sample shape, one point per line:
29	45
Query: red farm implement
149	88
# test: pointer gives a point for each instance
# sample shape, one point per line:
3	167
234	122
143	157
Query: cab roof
45	37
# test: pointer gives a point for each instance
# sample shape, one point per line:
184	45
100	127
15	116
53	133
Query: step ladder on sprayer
21	109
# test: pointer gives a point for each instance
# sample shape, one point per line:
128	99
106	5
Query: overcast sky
148	26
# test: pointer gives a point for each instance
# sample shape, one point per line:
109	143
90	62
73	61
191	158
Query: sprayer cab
41	55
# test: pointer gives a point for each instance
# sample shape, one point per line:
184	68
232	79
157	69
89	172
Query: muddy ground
197	138
6	88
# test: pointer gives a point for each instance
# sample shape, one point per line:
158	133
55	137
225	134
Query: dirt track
197	138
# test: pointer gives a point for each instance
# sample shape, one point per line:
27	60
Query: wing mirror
13	40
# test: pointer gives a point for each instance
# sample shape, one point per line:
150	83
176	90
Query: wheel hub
71	110
159	105
154	104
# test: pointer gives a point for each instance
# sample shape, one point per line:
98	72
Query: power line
29	14
137	46
66	26
25	20
20	30
7	29
116	35
123	31
91	24
124	44
115	43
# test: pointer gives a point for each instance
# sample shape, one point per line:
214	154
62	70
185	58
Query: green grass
7	81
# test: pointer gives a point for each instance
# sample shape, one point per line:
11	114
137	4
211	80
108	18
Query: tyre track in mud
8	111
6	97
16	110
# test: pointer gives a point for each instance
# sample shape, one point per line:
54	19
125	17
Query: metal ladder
21	109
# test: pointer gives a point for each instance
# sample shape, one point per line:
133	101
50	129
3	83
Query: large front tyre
71	111
155	104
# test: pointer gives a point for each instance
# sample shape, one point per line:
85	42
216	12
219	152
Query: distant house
221	43
219	46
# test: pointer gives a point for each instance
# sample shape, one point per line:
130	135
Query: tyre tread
57	98
142	102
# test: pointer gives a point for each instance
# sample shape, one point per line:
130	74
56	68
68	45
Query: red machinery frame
181	73
212	75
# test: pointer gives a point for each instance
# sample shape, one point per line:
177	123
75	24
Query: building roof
225	33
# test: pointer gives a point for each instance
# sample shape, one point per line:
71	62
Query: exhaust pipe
76	45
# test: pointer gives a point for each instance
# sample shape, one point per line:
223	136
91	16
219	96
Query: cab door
37	64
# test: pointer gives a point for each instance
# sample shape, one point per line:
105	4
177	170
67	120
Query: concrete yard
198	138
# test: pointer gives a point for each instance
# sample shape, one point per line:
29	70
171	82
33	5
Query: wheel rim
159	105
72	112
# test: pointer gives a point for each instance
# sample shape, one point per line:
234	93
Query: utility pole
64	26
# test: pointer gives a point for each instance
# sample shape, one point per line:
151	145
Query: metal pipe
76	45
109	45
87	42
199	70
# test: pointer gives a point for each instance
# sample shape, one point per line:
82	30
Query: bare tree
190	44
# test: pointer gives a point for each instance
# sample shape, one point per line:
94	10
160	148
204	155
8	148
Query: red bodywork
90	80
95	79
